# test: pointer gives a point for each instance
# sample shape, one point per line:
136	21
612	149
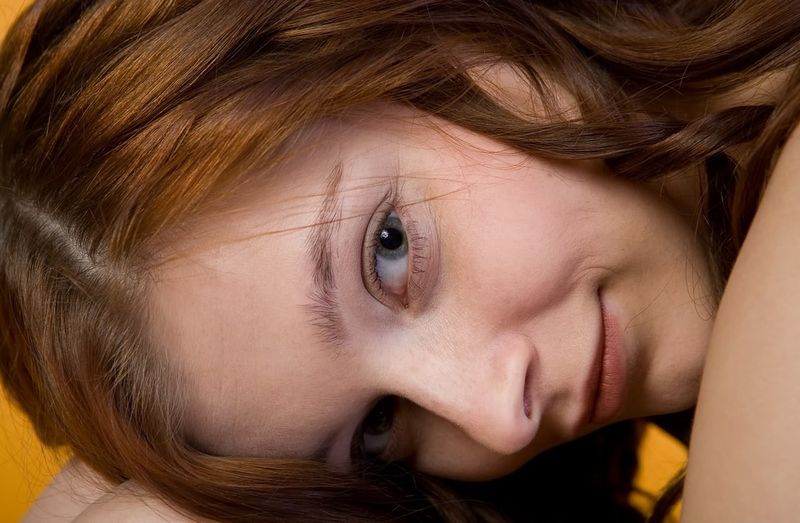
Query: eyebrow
324	307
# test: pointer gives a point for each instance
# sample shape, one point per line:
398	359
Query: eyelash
357	451
416	241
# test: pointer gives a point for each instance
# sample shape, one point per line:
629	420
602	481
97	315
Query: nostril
526	395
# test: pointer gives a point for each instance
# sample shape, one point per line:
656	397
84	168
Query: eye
373	437
388	264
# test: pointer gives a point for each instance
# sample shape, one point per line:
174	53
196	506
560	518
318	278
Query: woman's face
403	291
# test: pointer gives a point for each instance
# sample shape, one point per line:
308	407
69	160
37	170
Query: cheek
525	238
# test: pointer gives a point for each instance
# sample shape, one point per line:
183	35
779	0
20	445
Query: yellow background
26	467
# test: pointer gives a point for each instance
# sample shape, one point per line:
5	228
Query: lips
611	378
606	386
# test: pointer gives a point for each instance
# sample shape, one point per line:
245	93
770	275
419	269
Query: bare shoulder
72	490
78	494
130	503
744	456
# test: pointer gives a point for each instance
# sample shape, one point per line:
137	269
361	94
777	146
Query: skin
68	495
516	251
678	192
744	459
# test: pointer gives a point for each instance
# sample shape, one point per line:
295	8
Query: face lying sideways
405	289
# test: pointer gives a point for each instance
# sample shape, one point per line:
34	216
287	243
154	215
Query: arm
744	457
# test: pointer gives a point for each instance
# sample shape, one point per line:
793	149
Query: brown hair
120	120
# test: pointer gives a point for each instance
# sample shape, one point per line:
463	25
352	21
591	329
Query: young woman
401	260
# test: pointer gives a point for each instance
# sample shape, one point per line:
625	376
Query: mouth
606	386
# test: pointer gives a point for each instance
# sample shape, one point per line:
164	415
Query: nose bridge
473	377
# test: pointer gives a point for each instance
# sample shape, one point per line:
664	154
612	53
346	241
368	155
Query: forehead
228	310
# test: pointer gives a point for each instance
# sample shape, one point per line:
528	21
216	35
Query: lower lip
611	378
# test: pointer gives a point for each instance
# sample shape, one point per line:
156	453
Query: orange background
26	467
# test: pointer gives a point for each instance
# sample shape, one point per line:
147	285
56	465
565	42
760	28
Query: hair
122	120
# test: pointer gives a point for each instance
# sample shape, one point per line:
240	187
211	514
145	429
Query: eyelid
397	448
423	252
402	442
356	441
396	435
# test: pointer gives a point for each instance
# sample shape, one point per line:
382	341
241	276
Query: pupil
380	419
391	238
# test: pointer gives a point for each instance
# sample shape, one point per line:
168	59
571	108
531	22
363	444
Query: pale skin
511	257
502	449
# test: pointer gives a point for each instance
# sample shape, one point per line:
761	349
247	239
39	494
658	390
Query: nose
484	387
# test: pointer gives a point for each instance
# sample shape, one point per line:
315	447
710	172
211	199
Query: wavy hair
121	120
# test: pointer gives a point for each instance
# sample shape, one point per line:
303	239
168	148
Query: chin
665	404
